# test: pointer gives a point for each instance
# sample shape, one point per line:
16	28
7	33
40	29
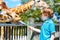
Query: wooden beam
2	33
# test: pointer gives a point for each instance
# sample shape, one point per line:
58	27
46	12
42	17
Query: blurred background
33	16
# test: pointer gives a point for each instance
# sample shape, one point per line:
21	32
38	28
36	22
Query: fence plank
2	33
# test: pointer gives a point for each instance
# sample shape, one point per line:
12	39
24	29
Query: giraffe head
15	17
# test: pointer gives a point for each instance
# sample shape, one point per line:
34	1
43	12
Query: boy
48	27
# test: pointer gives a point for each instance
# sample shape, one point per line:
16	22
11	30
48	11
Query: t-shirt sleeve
52	27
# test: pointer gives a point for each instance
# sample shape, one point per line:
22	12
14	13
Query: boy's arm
52	36
34	29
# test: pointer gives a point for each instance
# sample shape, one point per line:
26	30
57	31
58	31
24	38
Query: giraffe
14	12
29	5
19	9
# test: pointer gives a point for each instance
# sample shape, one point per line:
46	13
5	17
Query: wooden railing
13	31
18	31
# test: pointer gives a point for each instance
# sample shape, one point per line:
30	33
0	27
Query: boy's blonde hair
47	11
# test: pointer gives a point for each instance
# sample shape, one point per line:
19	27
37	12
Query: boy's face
44	16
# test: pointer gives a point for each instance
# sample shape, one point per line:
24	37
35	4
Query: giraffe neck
24	7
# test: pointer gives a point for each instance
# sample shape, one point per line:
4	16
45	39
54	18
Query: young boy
47	31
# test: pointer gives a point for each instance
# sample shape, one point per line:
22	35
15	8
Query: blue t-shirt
47	29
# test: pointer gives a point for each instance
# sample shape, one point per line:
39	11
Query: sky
12	3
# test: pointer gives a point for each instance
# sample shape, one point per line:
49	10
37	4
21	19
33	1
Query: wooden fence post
2	33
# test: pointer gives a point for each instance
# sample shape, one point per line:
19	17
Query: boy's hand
34	29
31	28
